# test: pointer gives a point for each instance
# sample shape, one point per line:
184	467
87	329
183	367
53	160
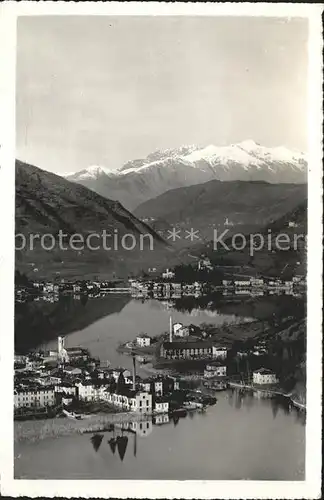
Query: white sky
104	90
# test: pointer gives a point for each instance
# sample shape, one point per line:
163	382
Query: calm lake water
152	317
241	437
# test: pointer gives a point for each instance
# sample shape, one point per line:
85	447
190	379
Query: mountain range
142	179
238	206
47	203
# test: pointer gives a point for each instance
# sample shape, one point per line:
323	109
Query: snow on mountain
156	158
279	154
141	179
90	173
247	154
223	155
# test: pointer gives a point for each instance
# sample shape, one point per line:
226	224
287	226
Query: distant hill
266	262
142	179
237	206
47	203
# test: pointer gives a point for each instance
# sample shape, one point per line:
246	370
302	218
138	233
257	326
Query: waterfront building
264	376
159	385
219	352
152	385
143	340
256	282
187	350
215	370
88	391
34	398
168	274
140	402
161	406
242	283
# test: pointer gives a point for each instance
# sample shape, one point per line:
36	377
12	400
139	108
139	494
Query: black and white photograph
162	190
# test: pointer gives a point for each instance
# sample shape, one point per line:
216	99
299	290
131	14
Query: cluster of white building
41	397
130	400
117	386
256	283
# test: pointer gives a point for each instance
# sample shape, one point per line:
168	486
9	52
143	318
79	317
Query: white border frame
311	487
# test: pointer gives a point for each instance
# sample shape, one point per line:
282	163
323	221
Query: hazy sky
104	90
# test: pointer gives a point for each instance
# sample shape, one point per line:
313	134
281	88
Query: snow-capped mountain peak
90	173
94	171
141	179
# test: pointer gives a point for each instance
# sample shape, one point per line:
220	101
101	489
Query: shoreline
35	430
278	392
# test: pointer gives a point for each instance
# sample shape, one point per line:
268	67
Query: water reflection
125	433
120	439
96	441
40	321
244	398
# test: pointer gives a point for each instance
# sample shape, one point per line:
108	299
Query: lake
241	437
152	316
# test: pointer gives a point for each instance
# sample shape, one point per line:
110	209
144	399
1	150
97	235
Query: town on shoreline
185	280
186	364
186	368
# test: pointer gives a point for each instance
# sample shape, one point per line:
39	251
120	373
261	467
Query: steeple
134	372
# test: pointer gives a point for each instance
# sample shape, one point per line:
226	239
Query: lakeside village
203	278
68	382
187	365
